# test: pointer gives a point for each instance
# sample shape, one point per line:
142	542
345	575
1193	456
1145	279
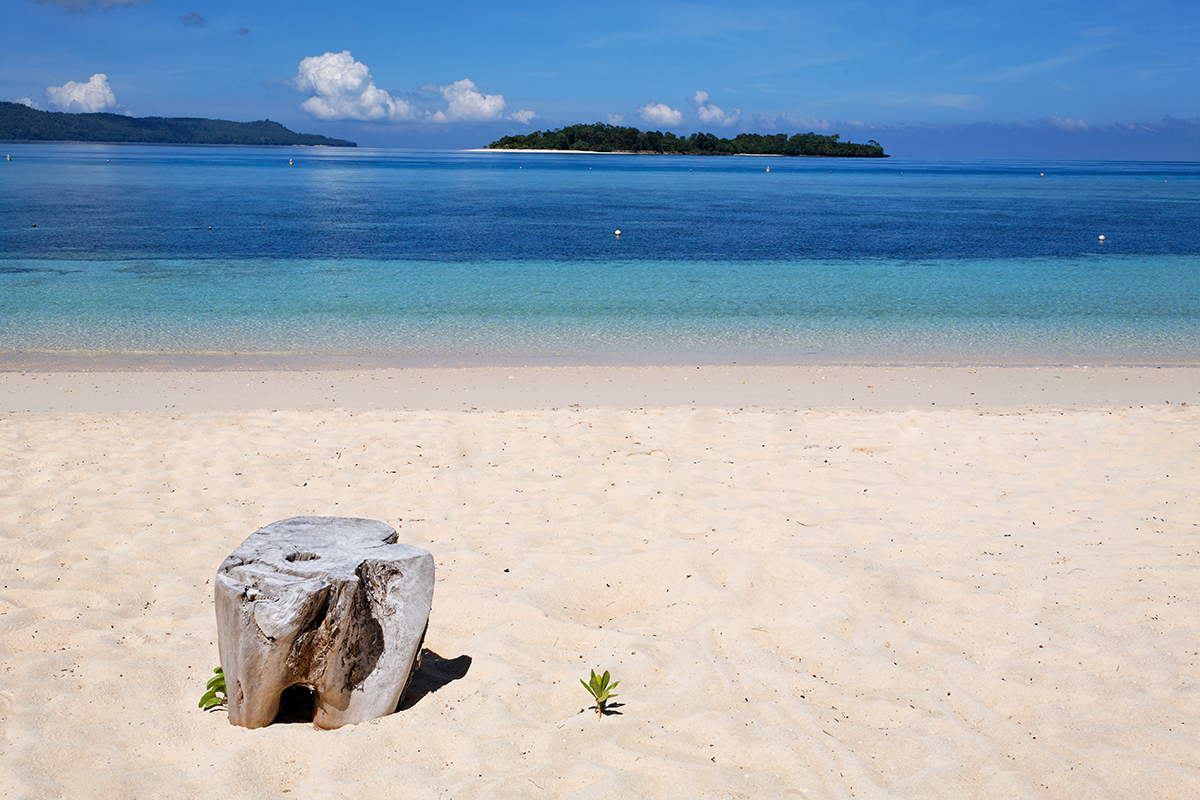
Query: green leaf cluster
18	122
216	696
604	138
600	689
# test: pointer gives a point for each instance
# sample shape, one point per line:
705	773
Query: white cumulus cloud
84	6
342	88
26	101
95	95
465	101
660	114
616	119
714	115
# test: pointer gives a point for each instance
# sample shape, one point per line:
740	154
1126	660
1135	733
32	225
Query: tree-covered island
603	138
21	123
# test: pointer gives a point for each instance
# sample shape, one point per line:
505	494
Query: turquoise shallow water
510	257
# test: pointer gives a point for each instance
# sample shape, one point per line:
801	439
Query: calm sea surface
508	258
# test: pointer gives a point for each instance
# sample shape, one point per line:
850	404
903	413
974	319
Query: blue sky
924	77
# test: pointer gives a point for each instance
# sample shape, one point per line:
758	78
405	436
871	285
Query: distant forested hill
615	138
23	123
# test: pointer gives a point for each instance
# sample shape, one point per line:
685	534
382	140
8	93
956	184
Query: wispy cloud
193	20
242	31
1072	56
84	6
681	21
935	99
788	122
1067	123
91	97
1049	137
1032	68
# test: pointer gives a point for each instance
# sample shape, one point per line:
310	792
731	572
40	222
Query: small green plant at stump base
215	697
601	690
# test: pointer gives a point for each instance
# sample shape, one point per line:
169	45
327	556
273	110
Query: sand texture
828	603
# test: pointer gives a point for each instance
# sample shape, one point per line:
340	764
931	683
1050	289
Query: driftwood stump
333	604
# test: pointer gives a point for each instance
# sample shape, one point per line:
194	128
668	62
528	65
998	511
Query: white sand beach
869	582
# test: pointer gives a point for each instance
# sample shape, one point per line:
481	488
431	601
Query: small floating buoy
8	158
768	169
617	232
210	227
291	163
1102	237
1042	174
35	224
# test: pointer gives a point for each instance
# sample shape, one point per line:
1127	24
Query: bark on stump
331	603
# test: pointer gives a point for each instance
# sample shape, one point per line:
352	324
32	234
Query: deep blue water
504	256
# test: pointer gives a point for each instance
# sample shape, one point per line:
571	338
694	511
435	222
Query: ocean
508	258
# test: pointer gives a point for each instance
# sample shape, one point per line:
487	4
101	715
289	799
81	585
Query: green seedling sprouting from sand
216	696
601	690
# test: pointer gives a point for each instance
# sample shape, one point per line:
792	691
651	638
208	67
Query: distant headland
603	138
19	122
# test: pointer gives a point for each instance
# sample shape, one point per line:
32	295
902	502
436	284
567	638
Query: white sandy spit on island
814	597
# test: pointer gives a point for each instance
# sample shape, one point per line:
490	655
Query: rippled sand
799	601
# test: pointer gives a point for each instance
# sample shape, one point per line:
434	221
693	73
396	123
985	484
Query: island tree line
616	138
18	122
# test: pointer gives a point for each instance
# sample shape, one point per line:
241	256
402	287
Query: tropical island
603	138
21	123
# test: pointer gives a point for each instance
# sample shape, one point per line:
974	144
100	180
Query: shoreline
302	362
864	387
643	153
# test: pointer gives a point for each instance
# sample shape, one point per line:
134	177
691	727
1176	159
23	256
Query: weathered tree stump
330	603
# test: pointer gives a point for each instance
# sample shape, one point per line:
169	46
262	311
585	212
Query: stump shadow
435	672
